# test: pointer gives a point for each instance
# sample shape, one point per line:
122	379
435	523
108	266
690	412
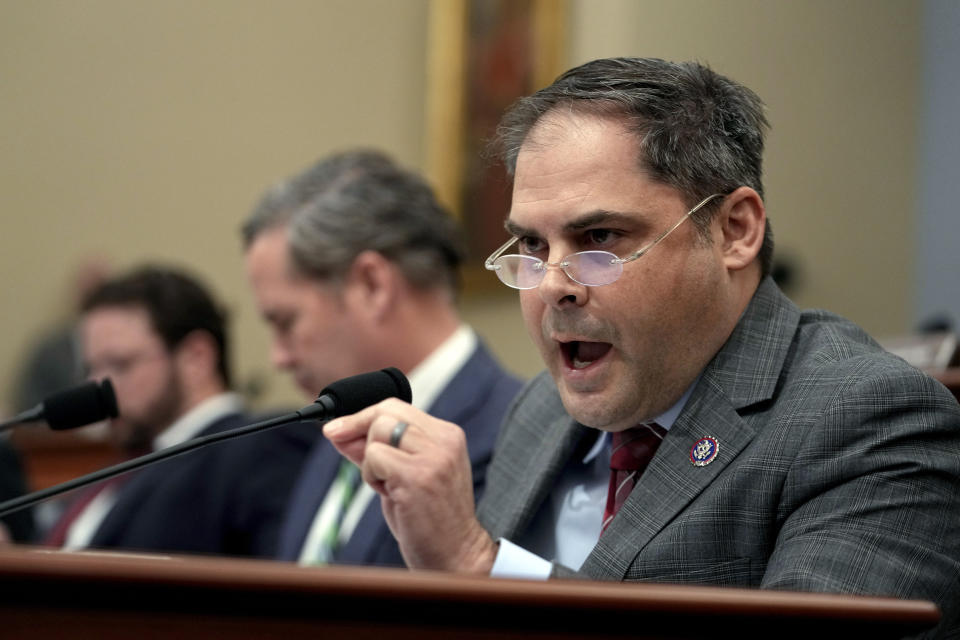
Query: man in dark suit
695	425
18	526
354	266
161	339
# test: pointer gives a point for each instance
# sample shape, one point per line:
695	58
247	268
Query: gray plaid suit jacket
838	470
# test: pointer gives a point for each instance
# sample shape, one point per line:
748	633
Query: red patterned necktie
631	452
57	536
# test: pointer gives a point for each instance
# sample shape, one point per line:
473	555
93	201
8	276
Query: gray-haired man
354	266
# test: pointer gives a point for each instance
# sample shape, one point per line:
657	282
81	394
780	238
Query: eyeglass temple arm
639	252
488	263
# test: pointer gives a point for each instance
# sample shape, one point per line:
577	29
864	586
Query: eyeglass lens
591	268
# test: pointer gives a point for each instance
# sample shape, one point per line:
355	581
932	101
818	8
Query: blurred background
135	130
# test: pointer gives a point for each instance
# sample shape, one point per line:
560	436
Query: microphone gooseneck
342	397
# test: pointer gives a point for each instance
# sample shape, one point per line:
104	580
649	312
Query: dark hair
356	201
176	303
699	132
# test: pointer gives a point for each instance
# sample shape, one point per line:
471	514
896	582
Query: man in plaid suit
797	453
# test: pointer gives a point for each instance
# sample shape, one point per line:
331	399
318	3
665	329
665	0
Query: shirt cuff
516	562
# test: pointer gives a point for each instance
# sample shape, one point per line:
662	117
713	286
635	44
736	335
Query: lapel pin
704	451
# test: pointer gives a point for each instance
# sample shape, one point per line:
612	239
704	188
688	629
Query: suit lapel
540	460
670	483
132	492
367	537
743	373
319	471
462	395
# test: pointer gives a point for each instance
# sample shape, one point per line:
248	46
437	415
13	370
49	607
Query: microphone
71	408
348	395
352	394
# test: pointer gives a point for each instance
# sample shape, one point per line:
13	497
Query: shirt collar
195	420
429	378
665	420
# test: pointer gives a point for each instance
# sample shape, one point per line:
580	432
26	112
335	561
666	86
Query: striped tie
341	492
632	451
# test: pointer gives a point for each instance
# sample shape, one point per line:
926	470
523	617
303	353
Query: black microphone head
359	392
82	405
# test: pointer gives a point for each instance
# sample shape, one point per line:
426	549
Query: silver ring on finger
397	434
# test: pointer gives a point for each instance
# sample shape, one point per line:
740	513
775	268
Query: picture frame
482	55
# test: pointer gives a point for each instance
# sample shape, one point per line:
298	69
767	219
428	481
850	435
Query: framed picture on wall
482	56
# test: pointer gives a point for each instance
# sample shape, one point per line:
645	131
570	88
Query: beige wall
146	130
842	84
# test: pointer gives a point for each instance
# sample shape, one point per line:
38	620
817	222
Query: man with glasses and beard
160	338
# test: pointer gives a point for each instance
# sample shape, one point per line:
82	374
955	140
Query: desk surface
203	597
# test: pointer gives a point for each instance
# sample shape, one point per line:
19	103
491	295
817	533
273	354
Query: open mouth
580	355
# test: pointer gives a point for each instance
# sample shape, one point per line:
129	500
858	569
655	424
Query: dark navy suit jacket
476	398
226	498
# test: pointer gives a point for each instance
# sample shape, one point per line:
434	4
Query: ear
196	356
742	224
372	285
